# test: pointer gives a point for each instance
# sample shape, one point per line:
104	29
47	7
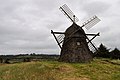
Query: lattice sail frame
60	38
91	22
91	47
66	11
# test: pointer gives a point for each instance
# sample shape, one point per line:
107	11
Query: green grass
98	69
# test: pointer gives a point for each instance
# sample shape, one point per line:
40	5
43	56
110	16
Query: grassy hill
98	69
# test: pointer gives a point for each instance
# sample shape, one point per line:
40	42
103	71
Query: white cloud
25	24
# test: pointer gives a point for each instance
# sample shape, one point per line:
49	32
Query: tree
115	54
103	51
1	60
7	61
26	60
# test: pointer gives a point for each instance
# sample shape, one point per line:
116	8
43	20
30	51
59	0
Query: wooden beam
91	43
66	14
56	39
58	32
98	34
94	37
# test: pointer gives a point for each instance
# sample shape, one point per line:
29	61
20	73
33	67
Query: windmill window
78	43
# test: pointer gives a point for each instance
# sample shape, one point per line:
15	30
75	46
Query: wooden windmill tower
74	42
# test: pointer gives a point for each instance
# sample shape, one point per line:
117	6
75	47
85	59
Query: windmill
74	42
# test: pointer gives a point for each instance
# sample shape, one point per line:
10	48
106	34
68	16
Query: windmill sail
91	47
91	22
60	38
74	42
66	11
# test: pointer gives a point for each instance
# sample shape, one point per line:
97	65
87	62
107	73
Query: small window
78	43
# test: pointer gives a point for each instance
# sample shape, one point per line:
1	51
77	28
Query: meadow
98	69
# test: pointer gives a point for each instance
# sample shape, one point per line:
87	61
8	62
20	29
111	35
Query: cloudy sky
25	24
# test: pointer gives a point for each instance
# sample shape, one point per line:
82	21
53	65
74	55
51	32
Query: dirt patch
65	68
111	62
75	79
